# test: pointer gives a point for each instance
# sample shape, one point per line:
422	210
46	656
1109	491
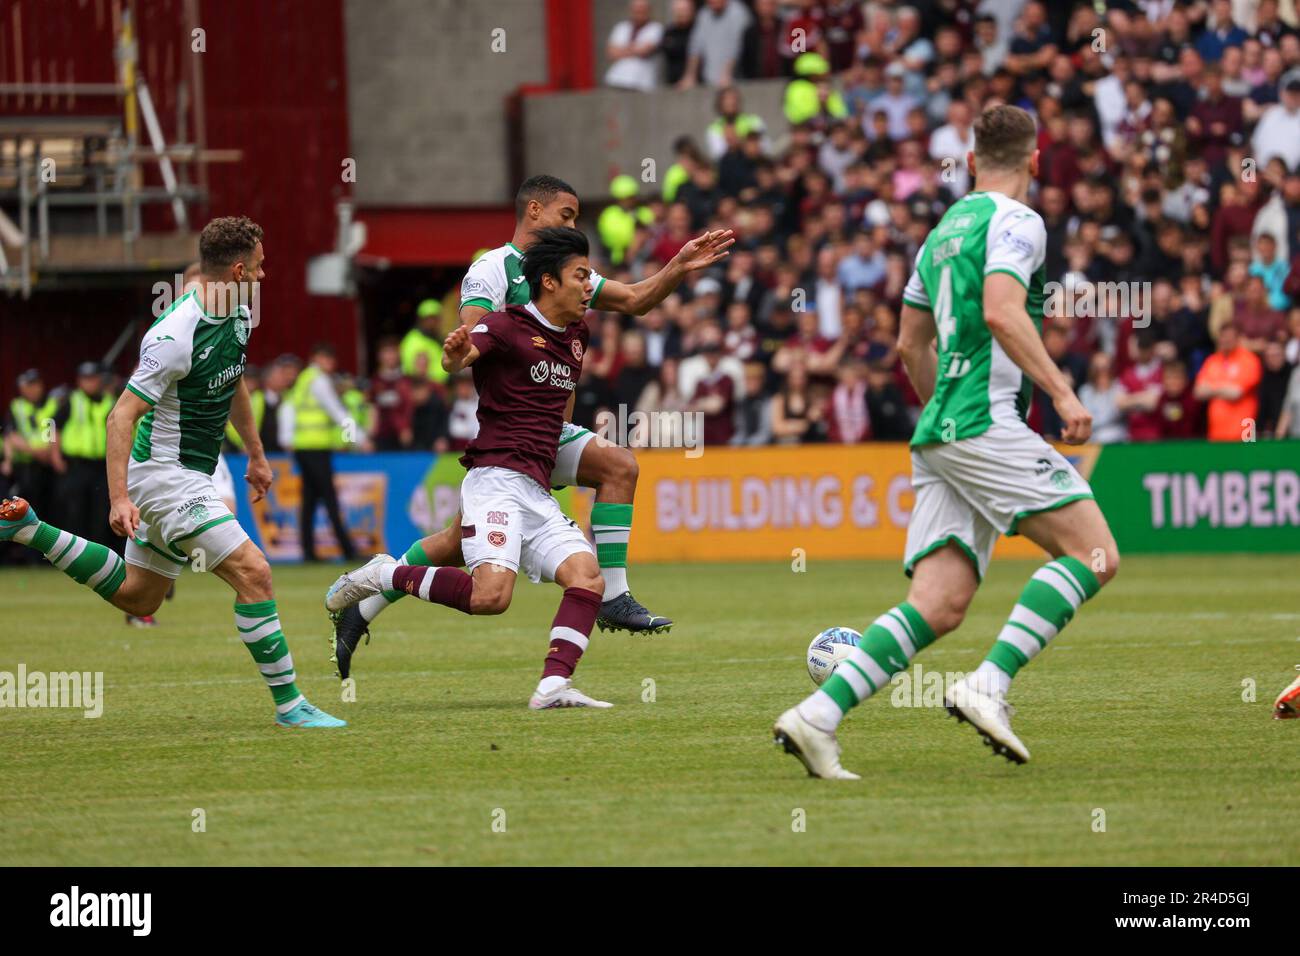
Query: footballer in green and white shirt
163	441
970	338
494	281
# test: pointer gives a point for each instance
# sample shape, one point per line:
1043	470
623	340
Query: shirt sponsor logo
473	288
496	538
498	517
225	377
1019	243
559	374
150	363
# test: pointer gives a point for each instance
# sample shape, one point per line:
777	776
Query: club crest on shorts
1062	479
576	347
496	538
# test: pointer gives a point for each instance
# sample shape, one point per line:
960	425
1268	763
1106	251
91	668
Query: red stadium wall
271	88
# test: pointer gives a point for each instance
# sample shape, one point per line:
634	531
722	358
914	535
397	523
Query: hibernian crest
199	513
241	330
1062	479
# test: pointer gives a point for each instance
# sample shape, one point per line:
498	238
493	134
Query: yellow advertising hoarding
760	504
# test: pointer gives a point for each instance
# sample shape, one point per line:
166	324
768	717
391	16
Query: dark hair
550	250
225	241
541	188
322	348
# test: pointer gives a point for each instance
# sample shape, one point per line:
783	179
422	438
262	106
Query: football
827	650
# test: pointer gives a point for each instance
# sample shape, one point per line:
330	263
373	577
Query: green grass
1136	709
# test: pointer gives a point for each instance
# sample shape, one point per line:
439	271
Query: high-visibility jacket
257	398
30	420
414	344
313	429
85	434
354	400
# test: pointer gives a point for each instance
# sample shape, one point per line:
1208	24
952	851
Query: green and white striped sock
887	647
611	525
375	605
1046	605
259	629
97	567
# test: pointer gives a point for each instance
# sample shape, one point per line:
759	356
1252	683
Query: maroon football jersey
525	373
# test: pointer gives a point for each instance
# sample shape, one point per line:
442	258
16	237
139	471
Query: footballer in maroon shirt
526	362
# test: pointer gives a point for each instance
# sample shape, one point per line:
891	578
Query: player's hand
455	348
124	518
258	477
1076	421
703	251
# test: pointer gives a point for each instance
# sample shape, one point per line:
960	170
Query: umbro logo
539	342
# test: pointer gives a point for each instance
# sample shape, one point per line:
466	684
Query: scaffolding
93	168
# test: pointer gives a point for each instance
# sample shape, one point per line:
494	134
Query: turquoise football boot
305	715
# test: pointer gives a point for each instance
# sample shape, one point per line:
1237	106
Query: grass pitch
1136	710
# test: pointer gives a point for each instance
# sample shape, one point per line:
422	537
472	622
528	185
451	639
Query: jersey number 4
946	325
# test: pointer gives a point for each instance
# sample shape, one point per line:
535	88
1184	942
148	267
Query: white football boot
566	695
1287	705
357	585
817	749
990	714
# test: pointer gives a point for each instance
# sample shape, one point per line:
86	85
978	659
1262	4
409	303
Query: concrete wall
588	138
426	96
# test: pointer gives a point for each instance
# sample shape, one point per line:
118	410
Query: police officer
82	438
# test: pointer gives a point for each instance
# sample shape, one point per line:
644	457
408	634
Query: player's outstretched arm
640	297
123	516
457	351
259	473
916	332
1008	321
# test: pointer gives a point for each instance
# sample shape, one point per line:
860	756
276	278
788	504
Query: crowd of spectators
1169	134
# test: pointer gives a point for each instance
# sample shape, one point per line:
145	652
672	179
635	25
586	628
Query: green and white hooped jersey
190	363
976	383
496	280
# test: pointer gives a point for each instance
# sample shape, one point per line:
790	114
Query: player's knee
254	579
488	600
590	581
139	605
946	614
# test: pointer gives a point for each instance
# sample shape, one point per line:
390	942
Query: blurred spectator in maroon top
1235	216
675	234
1215	119
1142	385
390	394
1180	412
1258	322
715	396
